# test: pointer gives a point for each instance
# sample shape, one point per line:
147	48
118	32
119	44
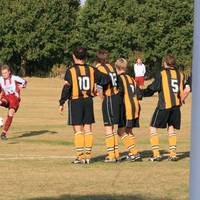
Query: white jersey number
113	77
174	84
84	83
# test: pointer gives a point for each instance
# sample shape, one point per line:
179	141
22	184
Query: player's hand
61	110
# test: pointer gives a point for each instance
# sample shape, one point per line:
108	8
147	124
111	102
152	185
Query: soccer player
130	109
80	80
110	106
10	86
169	84
140	70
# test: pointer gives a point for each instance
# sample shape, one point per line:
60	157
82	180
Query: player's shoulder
123	77
161	73
99	66
70	67
90	66
14	77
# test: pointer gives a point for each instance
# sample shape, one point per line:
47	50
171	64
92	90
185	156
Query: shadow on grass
145	154
99	197
34	133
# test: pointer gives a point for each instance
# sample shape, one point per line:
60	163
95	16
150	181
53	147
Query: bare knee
78	128
152	130
87	128
171	130
11	112
109	130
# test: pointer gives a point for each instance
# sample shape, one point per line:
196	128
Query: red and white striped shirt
11	85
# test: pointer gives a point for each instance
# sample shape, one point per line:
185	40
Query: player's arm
139	92
20	81
66	91
187	89
65	94
153	87
101	79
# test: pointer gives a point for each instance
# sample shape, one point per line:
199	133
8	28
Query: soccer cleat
155	159
3	136
173	158
109	160
78	161
134	158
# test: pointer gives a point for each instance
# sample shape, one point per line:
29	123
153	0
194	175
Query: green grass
40	132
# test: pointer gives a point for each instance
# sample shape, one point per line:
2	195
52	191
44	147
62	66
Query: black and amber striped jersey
169	84
81	80
112	88
129	92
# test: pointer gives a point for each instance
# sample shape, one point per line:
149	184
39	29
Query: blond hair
5	67
121	64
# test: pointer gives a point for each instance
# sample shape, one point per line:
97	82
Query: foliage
152	27
36	33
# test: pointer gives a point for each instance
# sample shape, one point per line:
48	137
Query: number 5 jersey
169	84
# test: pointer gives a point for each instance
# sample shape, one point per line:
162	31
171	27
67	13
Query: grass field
35	163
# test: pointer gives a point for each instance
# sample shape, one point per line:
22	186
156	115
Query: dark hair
80	53
170	60
102	56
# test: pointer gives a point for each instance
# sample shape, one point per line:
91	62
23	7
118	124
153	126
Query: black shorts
167	117
111	110
123	122
80	111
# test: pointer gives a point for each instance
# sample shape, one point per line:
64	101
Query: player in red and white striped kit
10	86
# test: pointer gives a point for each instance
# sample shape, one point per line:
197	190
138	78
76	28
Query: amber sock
172	144
110	145
155	144
88	144
79	144
129	143
116	146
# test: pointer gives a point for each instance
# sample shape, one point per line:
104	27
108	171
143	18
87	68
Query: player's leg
12	102
174	123
159	120
76	120
88	120
116	144
110	144
88	141
108	124
79	144
154	139
7	123
129	142
172	143
134	154
116	105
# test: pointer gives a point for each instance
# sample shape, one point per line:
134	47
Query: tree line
36	35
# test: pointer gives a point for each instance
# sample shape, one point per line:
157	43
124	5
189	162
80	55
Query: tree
151	27
36	33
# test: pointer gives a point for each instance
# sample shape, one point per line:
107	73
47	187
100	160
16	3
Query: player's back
171	88
110	89
129	90
82	79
